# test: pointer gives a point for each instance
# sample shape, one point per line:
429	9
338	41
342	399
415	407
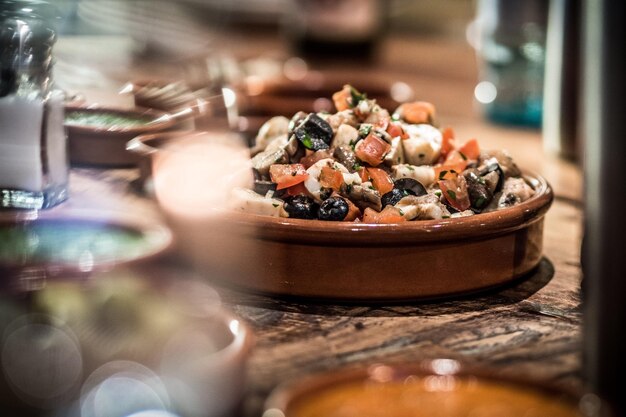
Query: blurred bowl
37	247
260	99
98	135
148	148
440	387
361	262
148	340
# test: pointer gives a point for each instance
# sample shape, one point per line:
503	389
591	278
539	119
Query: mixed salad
365	164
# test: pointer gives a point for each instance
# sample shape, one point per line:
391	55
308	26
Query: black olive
301	207
393	197
494	166
333	208
410	185
262	187
479	193
314	133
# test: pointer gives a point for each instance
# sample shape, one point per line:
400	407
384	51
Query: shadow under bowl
356	262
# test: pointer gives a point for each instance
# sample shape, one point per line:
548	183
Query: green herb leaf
463	156
442	174
451	194
356	166
438	193
307	141
365	130
480	201
445	217
401	212
356	96
275	205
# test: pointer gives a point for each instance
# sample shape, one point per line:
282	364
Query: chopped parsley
438	193
480	201
275	205
463	156
451	194
401	212
445	217
356	166
307	141
442	174
371	187
410	168
356	96
365	130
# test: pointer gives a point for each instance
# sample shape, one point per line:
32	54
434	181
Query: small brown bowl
368	262
41	246
131	327
106	146
440	387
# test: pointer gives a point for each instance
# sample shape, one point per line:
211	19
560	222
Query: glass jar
509	37
34	166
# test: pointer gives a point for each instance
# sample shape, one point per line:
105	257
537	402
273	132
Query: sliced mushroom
425	207
362	195
273	128
345	155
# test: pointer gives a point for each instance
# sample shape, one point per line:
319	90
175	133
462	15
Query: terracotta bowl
153	339
441	387
106	146
259	100
365	262
26	263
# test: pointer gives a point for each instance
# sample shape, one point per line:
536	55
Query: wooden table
530	328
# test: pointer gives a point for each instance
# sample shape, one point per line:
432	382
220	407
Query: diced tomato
343	98
455	191
363	174
394	130
418	112
313	157
372	150
381	180
388	215
286	175
449	171
470	149
331	178
447	144
298	189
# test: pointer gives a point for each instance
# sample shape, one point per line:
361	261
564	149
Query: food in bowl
392	391
365	164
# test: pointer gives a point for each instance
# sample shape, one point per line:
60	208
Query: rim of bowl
242	338
421	231
151	126
286	393
158	235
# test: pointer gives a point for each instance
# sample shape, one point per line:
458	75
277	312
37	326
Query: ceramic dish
105	146
368	262
152	338
40	246
440	387
259	100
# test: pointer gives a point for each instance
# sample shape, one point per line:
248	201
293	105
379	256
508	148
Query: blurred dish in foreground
150	341
438	388
38	247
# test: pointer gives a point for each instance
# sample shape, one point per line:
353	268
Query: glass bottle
511	51
34	165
